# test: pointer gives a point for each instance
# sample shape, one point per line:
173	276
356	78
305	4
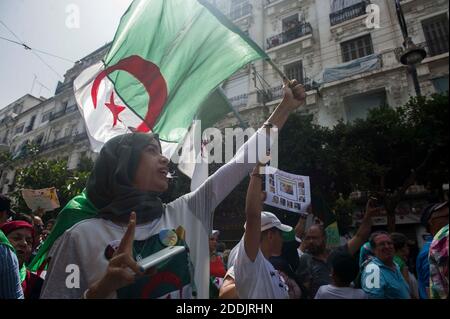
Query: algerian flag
166	59
193	161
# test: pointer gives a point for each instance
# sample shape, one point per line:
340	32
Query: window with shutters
436	34
294	71
357	48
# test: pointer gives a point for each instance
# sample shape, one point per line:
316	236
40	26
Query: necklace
139	255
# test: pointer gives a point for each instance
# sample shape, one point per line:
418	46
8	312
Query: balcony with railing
80	137
72	108
57	115
272	94
349	13
296	32
240	10
64	141
269	2
239	100
276	92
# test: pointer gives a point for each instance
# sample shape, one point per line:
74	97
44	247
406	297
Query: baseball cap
11	226
215	233
269	220
429	210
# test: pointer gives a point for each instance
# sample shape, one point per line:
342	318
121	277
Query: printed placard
287	191
46	199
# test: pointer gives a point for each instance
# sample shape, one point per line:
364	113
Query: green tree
384	154
50	173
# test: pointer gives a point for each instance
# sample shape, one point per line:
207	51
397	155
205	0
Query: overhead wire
22	43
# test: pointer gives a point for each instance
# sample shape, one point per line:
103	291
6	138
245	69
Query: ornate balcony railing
57	115
276	92
298	31
349	13
240	100
71	109
80	137
272	94
63	141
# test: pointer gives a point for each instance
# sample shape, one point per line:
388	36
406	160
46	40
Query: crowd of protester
120	220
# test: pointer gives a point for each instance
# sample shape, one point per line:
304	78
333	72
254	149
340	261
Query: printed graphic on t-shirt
172	279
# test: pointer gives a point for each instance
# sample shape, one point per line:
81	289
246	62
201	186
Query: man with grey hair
314	269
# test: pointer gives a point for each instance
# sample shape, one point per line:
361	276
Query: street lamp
412	54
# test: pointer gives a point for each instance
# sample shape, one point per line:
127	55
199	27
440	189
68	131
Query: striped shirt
438	260
10	287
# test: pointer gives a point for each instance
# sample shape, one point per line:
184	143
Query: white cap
215	233
269	220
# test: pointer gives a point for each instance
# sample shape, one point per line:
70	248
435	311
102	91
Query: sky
67	28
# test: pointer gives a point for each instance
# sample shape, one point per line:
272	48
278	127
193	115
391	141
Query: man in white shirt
255	277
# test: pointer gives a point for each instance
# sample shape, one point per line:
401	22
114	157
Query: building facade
54	125
347	62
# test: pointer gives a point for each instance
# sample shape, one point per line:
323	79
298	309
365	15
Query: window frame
436	24
357	48
291	74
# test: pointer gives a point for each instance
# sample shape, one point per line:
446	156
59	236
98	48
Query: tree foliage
384	154
51	173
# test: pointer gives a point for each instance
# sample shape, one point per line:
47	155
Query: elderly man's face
151	174
384	248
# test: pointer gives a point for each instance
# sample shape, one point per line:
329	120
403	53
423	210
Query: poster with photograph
47	199
288	191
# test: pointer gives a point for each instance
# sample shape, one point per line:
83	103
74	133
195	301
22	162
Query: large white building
54	124
347	67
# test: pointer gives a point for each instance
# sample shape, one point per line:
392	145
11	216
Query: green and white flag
163	70
166	60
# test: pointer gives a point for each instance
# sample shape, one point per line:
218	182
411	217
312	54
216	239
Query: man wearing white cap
255	277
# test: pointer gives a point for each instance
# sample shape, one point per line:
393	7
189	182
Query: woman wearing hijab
20	235
97	257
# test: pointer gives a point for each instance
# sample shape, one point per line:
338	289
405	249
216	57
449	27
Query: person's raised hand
294	94
122	268
371	208
263	197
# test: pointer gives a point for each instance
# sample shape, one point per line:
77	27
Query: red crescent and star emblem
162	278
151	78
115	109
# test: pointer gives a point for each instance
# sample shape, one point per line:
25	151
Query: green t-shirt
400	262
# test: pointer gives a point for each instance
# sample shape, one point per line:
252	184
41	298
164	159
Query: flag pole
239	117
281	73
